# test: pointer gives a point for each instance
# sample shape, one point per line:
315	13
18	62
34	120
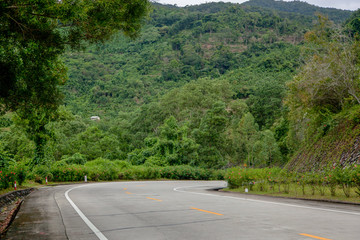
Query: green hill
179	45
202	85
300	7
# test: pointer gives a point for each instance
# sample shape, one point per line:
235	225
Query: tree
331	77
266	102
210	136
267	152
249	130
326	86
172	146
353	24
33	34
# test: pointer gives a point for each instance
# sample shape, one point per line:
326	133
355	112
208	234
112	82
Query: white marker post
85	178
15	185
246	190
46	180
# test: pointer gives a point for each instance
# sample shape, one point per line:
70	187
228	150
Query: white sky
341	4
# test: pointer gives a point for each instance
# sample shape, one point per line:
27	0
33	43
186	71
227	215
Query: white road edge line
262	201
82	215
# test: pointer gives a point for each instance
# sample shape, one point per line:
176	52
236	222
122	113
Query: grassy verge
296	191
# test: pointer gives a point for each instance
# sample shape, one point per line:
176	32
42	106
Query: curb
12	217
295	198
10	197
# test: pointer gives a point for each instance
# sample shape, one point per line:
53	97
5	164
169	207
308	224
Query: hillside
300	7
203	85
339	147
176	46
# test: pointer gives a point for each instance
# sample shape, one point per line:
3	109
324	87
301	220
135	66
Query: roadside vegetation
333	183
202	89
100	170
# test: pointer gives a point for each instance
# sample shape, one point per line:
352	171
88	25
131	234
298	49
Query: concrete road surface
176	210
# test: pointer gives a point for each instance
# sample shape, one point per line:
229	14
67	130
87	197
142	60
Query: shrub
66	173
5	179
40	172
218	175
356	178
121	164
344	179
77	158
20	171
102	169
155	161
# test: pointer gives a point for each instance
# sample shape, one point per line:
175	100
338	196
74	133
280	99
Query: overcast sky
341	4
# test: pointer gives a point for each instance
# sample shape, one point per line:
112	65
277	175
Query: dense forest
214	86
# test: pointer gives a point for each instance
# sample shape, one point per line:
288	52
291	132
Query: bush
5	179
356	178
155	161
67	173
20	171
77	158
185	172
40	172
102	169
121	164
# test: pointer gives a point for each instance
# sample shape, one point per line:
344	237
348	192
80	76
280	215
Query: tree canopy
33	34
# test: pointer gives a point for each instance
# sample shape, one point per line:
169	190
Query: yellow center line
312	236
125	188
154	199
128	193
207	211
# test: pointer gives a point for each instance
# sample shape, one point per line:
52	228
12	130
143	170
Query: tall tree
33	34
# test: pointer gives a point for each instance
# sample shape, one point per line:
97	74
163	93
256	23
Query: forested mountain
179	45
202	85
302	8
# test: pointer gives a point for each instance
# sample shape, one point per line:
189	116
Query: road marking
154	199
84	218
312	236
202	210
125	189
128	193
262	201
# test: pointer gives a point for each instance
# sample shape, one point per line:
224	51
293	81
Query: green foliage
102	169
325	93
20	170
13	172
77	158
5	159
67	173
122	164
332	179
155	161
33	36
356	178
5	179
301	7
352	24
201	85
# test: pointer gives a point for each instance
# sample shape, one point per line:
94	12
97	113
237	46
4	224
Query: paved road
176	210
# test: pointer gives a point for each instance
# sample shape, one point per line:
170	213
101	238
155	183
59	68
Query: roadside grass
25	185
296	191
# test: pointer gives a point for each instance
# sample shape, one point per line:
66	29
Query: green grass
295	191
25	185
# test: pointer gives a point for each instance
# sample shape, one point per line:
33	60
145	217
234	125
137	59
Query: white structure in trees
95	118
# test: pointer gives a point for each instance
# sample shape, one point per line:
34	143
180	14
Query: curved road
176	210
